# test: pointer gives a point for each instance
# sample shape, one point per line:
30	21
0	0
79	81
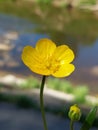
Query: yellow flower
74	113
48	59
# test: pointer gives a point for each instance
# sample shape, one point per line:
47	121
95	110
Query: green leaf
89	119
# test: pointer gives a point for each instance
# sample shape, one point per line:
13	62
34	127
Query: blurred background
24	22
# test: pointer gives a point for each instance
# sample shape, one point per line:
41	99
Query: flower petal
64	70
63	53
45	47
35	63
27	55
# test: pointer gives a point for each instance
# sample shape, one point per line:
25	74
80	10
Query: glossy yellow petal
45	47
40	70
64	70
47	59
27	55
63	53
34	62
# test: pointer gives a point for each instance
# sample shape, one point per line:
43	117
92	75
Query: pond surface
24	24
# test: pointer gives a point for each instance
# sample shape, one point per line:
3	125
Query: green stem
42	103
71	125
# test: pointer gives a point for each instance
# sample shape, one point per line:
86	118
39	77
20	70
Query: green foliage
65	86
54	84
90	2
7	97
90	119
20	100
30	83
80	93
1	85
8	0
24	102
60	85
44	1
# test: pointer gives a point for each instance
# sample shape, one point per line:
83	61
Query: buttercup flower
74	113
48	59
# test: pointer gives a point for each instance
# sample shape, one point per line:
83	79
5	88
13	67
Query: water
76	28
13	118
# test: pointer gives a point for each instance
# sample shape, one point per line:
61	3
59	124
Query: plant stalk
42	102
71	125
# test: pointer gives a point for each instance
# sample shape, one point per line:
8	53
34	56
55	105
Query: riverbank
56	104
92	6
10	84
80	4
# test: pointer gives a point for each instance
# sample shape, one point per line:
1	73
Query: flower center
53	65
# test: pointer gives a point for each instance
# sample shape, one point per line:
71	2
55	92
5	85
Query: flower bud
74	113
